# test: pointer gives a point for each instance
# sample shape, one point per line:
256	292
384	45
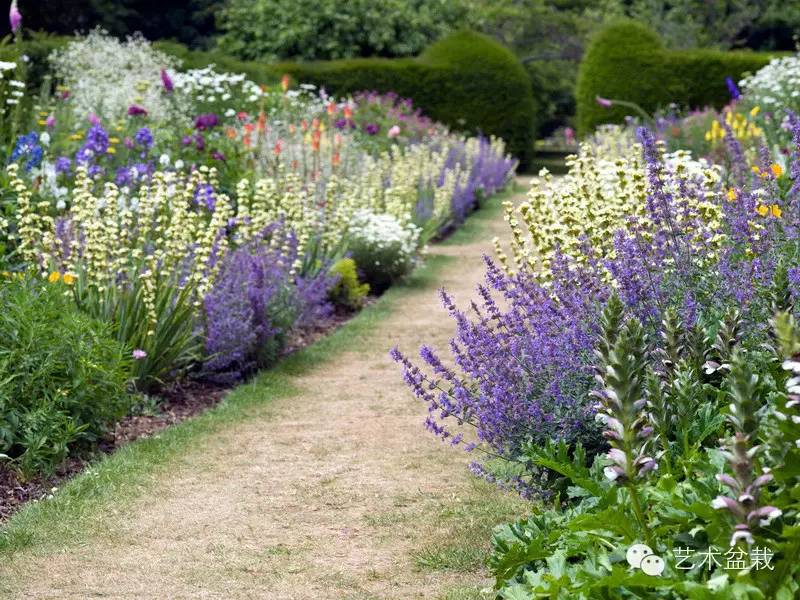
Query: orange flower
304	125
337	139
294	165
249	128
246	140
285	82
277	148
315	139
292	129
230	132
262	121
315	123
348	112
331	108
336	160
777	170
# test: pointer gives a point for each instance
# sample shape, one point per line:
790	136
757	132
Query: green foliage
328	29
170	341
62	375
627	61
466	81
732	486
348	291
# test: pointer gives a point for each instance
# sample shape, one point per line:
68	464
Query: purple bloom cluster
522	373
256	300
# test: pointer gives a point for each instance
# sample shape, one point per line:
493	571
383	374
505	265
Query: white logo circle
636	553
652	565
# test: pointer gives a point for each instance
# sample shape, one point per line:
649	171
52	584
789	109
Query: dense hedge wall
627	61
465	80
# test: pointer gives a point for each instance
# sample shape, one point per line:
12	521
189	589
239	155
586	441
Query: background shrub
627	61
62	375
467	81
268	30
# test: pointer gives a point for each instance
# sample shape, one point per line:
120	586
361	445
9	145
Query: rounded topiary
466	80
613	67
482	87
627	61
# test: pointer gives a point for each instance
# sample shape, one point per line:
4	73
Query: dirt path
333	492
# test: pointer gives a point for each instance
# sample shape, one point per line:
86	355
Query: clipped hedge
465	80
627	61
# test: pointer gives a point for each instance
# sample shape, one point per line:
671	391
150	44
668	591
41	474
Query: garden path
332	491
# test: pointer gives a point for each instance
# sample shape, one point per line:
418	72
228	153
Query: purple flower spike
732	89
604	102
136	111
167	81
14	17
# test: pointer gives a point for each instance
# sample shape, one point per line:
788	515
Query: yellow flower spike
776	211
754	111
113	140
54	276
42	122
731	195
762	209
69	278
777	170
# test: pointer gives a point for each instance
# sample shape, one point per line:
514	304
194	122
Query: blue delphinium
29	149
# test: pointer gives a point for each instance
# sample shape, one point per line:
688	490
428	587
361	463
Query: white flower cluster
105	76
775	87
11	90
205	90
383	231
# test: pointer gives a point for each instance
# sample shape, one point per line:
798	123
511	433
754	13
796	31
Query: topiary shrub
627	61
466	80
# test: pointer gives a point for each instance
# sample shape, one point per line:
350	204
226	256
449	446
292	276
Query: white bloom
164	160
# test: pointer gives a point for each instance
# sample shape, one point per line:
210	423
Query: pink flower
604	102
14	17
50	121
93	119
569	135
394	131
139	354
166	81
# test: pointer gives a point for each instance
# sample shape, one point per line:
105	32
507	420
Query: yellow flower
42	122
754	111
756	170
113	140
731	195
776	211
777	170
54	276
112	150
69	278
